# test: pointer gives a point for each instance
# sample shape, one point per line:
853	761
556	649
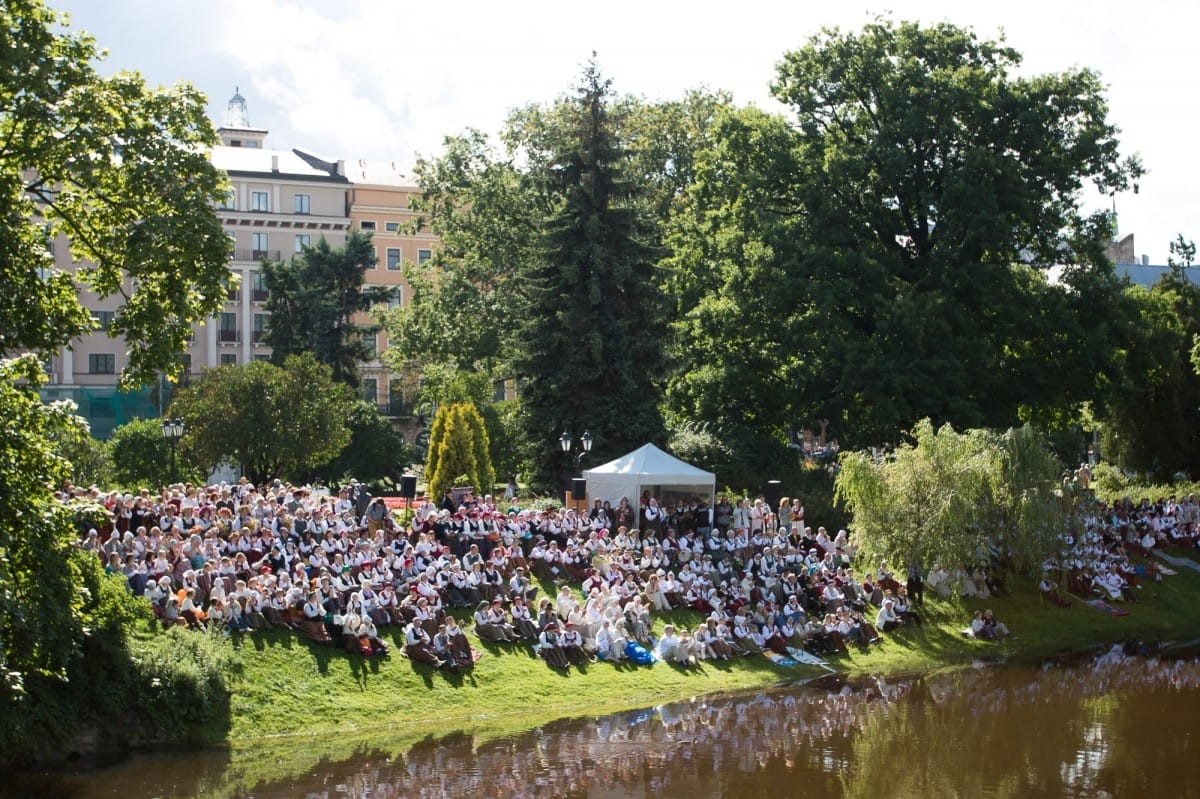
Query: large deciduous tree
883	255
122	172
1151	421
313	301
275	421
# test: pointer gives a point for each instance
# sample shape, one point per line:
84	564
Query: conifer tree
592	345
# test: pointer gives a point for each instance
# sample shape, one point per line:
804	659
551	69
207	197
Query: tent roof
649	461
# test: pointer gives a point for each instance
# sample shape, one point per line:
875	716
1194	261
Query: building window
303	240
229	201
103	407
102	363
260	327
391	227
393	258
233	288
397	300
424	255
498	391
396	406
370	349
366	224
104	319
228	359
303	202
260	201
228	331
258	287
258	246
185	361
262	356
370	390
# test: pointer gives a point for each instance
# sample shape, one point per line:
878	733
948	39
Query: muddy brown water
1114	726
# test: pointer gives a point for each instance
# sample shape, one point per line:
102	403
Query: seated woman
573	646
312	620
675	648
419	647
887	619
522	620
744	636
489	627
1050	593
458	645
611	640
550	647
369	641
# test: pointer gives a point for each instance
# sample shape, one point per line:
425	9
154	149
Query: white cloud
369	78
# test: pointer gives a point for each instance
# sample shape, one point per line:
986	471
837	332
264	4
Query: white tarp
648	468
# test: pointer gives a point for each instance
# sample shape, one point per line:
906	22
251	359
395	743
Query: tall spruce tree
592	342
313	300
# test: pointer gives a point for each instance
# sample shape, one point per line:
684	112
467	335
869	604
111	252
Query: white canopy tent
648	468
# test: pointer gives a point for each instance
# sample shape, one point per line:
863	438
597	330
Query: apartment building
279	202
379	202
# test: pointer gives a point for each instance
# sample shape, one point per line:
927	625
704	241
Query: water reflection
1114	727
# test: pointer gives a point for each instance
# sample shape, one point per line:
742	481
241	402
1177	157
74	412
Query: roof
377	173
650	461
1148	274
257	160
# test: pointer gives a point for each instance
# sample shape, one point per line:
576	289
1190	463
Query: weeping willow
956	498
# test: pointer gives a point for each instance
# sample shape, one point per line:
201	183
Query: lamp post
565	442
172	430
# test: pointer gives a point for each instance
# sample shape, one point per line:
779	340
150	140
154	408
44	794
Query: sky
389	79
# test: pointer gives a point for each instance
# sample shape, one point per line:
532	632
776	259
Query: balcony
256	255
259	295
228	337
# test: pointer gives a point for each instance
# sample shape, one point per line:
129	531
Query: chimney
274	163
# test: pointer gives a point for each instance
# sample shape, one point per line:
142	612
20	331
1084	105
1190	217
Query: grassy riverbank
288	686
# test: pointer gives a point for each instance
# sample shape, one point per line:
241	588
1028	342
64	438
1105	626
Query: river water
1114	726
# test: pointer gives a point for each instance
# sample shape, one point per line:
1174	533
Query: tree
458	447
275	421
375	452
1151	420
90	461
877	260
956	498
39	607
313	299
592	340
120	174
465	300
120	170
141	455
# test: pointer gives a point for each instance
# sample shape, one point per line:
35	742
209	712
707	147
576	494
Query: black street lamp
565	442
172	430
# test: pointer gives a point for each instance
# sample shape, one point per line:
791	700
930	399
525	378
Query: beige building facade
279	202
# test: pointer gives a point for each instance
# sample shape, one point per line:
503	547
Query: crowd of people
339	566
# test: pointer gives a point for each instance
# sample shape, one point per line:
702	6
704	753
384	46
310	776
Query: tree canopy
1150	421
313	300
884	254
118	172
275	421
970	498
